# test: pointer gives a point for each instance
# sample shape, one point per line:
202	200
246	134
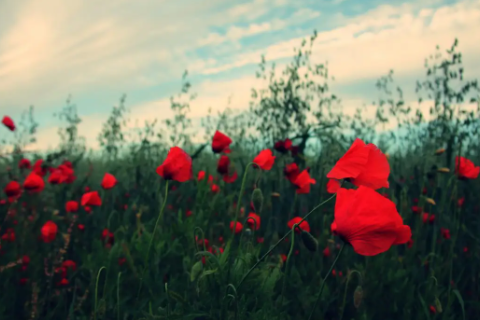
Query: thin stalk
280	241
287	264
325	279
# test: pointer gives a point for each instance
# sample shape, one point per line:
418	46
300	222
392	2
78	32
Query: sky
98	51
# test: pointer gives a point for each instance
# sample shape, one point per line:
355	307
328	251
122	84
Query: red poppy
283	257
201	175
364	165
108	236
461	201
177	166
49	231
8	122
12	189
368	221
38	168
237	228
9	235
215	188
24	164
220	142
34	183
265	159
326	252
91	199
303	225
283	146
121	261
188	213
63	282
81	227
465	169
333	186
253	221
230	178
223	164
69	264
291	171
71	206
445	233
303	182
109	181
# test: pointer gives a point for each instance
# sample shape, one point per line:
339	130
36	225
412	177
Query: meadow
292	209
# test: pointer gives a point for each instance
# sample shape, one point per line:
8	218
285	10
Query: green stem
239	199
160	217
96	292
292	243
325	279
280	241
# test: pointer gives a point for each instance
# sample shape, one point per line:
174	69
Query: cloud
386	37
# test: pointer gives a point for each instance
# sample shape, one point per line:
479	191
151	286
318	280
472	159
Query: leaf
425	309
460	300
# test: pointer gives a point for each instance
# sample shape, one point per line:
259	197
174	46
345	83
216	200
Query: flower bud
257	200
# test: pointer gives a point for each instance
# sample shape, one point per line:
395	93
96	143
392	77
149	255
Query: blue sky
96	51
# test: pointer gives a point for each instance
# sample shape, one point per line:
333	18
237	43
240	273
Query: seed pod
247	232
257	200
358	297
196	270
309	241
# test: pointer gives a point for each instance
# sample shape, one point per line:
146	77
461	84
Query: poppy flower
49	231
34	183
303	182
223	164
109	181
333	186
283	146
230	178
8	122
215	188
445	233
38	168
465	169
364	165
81	227
303	226
253	221
12	189
108	236
63	282
368	221
91	199
220	142
291	171
56	177
237	228
265	159
71	206
69	264
326	252
177	166
24	164
121	261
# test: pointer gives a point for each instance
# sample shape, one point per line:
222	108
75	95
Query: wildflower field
293	209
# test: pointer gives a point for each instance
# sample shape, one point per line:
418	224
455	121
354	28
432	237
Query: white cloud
388	37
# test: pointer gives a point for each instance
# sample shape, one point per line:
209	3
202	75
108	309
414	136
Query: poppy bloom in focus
364	164
220	142
303	182
333	186
8	122
49	231
91	199
253	221
265	159
237	228
109	181
177	166
34	182
283	146
368	221
303	225
465	169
